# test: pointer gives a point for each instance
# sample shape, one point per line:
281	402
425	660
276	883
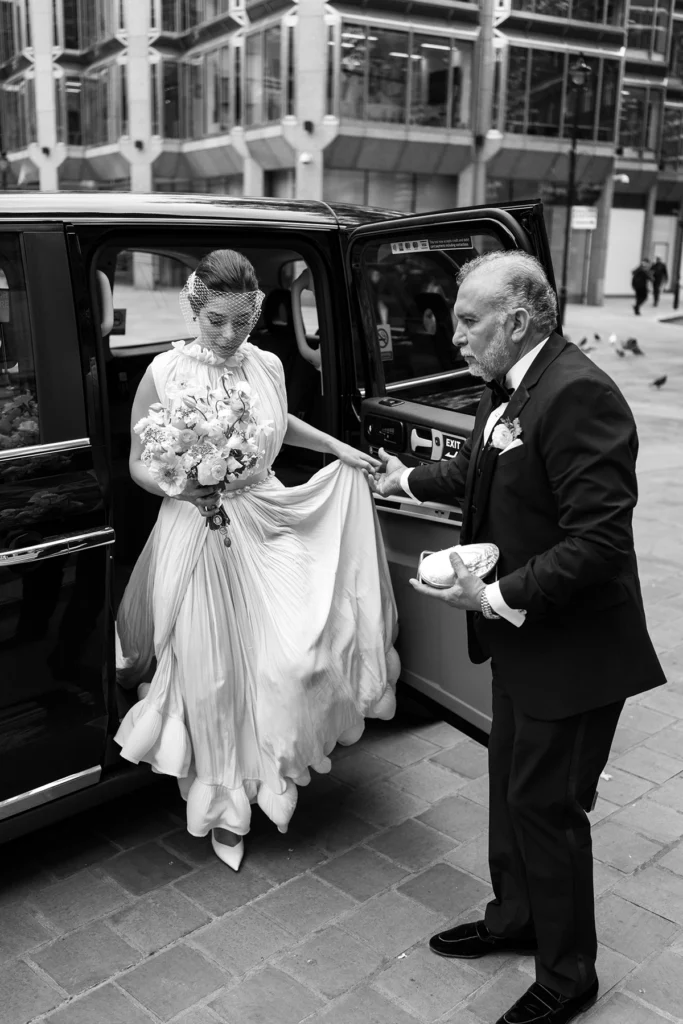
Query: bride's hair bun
223	270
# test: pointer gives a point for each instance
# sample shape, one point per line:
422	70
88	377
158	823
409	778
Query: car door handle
433	510
62	546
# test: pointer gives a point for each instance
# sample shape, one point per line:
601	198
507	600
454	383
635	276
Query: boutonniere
505	432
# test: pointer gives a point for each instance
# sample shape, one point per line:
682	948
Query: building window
632	119
541	101
166	92
69	93
83	24
648	26
99	105
218	90
353	65
609	96
519	61
193	75
237	83
676	61
402	78
72	38
170	100
123	100
672	137
430	69
331	76
18	114
291	72
388	64
183	15
545	92
272	73
640	118
8	37
169	16
609	12
263	76
253	68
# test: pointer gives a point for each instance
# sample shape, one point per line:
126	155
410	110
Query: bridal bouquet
208	436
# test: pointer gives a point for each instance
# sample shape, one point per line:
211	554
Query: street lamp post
578	73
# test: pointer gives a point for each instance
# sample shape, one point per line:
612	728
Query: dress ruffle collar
195	350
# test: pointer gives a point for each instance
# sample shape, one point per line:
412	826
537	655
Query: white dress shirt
513	379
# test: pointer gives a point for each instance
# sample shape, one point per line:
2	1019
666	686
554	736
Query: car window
19	418
410	288
145	293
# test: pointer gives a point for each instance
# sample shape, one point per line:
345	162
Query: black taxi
88	296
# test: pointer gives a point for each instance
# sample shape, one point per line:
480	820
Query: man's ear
520	325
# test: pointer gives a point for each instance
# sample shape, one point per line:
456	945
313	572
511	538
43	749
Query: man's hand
387	479
464	594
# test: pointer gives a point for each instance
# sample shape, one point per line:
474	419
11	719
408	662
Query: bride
272	650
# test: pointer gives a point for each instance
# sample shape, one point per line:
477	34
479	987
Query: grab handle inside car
106	303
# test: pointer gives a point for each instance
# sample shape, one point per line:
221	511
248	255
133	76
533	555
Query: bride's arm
302	435
145	396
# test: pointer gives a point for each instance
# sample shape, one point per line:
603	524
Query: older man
549	476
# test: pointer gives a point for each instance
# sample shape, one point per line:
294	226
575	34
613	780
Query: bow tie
499	393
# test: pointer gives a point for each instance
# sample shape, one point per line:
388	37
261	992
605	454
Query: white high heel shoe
230	855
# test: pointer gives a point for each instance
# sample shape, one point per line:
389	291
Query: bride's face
226	320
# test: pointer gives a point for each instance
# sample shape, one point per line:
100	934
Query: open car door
419	404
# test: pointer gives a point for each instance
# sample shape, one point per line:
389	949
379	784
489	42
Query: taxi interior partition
420	406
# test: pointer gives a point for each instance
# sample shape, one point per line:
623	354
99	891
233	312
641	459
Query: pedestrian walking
548	476
640	281
660	276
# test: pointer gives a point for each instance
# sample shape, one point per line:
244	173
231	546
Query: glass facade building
384	106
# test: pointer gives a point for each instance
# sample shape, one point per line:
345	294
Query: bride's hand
205	499
355	458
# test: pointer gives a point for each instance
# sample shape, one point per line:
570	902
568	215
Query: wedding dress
268	652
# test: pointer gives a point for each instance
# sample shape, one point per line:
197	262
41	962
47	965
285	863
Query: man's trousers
543	776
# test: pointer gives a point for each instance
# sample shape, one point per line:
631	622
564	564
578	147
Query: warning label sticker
386	346
431	244
418	245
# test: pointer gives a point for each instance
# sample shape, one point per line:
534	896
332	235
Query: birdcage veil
224	319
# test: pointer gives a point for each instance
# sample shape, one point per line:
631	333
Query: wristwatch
486	609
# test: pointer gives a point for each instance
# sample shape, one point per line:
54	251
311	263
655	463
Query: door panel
54	559
432	641
420	404
55	540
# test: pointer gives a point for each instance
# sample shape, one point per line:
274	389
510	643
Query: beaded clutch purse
435	569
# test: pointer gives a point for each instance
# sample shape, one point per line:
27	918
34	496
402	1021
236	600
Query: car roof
131	205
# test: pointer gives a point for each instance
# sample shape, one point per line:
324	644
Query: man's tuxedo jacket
560	508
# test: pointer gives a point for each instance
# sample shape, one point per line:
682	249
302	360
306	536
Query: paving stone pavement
120	917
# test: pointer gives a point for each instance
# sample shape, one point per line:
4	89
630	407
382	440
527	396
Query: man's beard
493	364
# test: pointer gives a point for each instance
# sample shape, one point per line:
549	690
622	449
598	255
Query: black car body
88	295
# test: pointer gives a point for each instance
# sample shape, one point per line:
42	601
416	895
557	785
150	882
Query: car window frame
317	245
56	366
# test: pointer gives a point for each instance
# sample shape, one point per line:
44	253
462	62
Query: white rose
502	436
211	471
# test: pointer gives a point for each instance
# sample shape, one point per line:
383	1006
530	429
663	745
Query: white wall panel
623	249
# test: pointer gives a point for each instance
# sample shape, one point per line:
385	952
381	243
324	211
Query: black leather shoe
543	1006
470	941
